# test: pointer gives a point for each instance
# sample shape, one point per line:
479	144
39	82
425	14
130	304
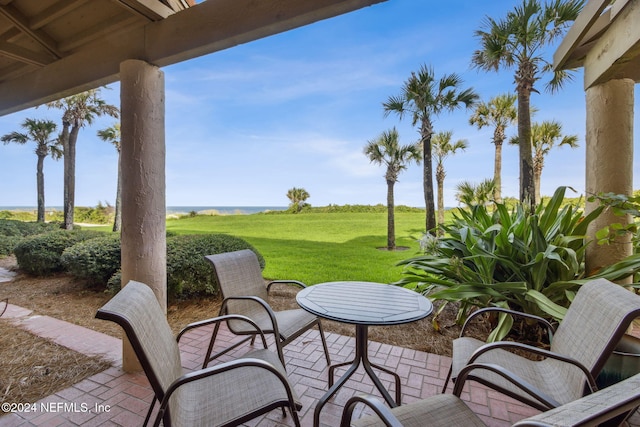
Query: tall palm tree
545	136
40	132
500	112
77	111
386	150
424	97
443	148
112	135
518	41
298	197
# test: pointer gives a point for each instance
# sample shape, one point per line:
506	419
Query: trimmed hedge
13	232
188	273
8	243
40	255
95	257
94	260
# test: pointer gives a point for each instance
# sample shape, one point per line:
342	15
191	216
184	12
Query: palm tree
442	148
424	97
40	132
386	150
78	111
112	135
499	112
545	136
471	194
298	197
517	41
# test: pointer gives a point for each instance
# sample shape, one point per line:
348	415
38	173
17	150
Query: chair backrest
594	409
136	309
238	274
595	322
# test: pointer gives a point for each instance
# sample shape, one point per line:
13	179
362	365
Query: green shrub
40	255
532	263
9	227
100	214
188	272
7	243
94	260
115	282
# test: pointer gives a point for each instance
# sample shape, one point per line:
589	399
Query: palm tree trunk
527	187
430	221
497	172
70	177
117	221
537	174
64	138
440	205
40	185
391	222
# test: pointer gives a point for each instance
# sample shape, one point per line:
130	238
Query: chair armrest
223	367
218	319
286	282
258	300
545	322
591	382
616	400
506	374
382	411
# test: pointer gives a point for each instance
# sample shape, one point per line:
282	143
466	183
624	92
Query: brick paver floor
116	398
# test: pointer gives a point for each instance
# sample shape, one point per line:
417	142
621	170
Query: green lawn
318	247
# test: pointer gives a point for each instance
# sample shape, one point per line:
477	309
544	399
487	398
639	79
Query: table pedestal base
362	339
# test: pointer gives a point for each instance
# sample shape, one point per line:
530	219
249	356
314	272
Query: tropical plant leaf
546	305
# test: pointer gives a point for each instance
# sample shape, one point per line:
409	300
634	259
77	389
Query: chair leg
280	352
324	344
148	417
446	382
296	418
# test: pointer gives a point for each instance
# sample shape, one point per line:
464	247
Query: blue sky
296	109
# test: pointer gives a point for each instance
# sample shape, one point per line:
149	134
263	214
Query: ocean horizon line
174	210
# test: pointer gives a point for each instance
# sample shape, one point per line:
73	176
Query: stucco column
144	250
609	167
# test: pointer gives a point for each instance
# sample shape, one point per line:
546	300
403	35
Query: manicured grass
318	247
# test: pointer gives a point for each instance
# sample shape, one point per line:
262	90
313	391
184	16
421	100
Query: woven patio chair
593	325
608	407
240	279
227	394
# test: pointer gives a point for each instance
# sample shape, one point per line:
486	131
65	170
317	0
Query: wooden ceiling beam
20	21
614	55
55	11
575	36
152	10
205	28
21	54
120	22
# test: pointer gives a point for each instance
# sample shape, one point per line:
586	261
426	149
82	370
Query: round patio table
363	304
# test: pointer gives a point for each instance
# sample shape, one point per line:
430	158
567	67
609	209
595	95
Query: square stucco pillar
609	167
144	249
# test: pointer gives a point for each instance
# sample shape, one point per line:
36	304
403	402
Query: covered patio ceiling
55	48
605	40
